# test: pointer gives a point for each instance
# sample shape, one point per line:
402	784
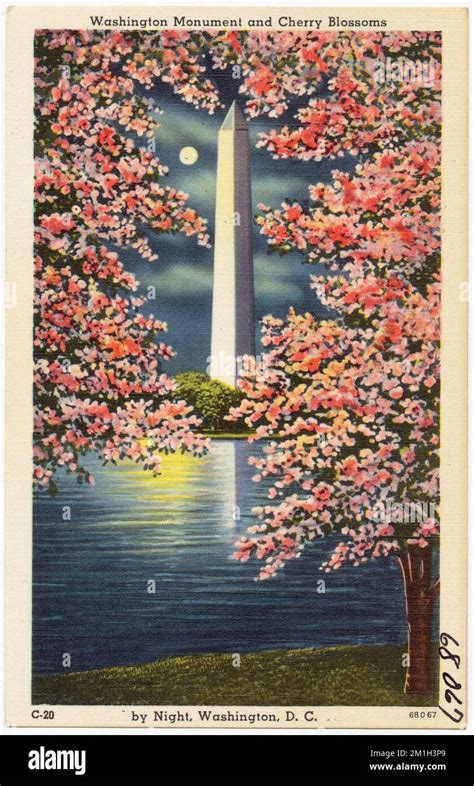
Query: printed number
428	714
45	714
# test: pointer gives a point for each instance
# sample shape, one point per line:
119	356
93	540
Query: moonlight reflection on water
93	574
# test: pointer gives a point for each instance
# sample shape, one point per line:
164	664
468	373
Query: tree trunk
420	596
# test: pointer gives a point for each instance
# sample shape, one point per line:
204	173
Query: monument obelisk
233	320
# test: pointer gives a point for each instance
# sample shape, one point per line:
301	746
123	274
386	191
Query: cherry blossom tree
349	406
355	100
98	380
349	416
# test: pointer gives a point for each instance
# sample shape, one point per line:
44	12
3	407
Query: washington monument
233	321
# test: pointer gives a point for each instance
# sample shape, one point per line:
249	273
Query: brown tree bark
420	595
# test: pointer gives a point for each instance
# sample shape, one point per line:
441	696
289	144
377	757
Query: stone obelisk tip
234	120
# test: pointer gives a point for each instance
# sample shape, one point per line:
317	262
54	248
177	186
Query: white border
11	730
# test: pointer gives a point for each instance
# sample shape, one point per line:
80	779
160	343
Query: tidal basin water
92	573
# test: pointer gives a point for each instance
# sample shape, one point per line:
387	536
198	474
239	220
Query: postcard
236	367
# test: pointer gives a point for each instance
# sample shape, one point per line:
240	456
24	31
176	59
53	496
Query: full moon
188	155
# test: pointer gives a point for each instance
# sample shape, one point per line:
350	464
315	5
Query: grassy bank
362	675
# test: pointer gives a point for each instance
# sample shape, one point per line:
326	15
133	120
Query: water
91	574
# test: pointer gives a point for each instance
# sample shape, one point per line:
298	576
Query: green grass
361	675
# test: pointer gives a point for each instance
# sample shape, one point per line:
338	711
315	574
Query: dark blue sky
183	273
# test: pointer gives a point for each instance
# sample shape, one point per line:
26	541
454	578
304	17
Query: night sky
183	273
